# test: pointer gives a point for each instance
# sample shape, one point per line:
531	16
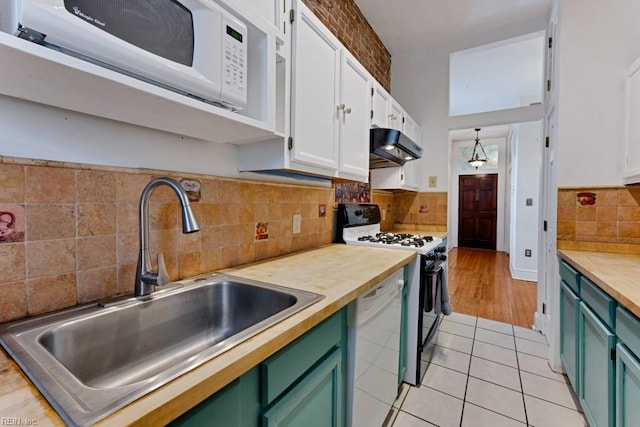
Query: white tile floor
487	373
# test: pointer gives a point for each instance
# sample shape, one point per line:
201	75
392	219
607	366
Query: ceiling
407	24
404	25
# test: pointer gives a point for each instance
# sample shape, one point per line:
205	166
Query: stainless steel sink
90	361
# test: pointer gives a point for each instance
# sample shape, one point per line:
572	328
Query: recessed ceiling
407	24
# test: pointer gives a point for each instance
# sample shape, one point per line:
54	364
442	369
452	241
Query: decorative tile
496	398
12	223
495	353
445	380
475	416
542	413
433	406
495	338
495	373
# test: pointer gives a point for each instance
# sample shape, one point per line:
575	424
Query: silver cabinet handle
393	116
347	110
341	107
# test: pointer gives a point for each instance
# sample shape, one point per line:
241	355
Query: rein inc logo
17	421
78	12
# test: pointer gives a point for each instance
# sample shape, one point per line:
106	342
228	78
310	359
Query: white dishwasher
374	352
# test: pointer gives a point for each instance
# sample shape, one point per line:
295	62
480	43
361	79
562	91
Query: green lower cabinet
303	384
315	401
596	369
627	388
569	315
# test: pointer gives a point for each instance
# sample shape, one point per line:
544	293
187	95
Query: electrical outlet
296	224
433	181
527	252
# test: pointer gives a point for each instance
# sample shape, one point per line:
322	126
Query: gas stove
402	239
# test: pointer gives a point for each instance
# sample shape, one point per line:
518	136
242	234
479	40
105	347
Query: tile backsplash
69	233
421	208
607	216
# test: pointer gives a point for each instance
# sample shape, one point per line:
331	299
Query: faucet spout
147	279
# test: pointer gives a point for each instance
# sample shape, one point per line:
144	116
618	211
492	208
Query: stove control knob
440	249
442	257
430	257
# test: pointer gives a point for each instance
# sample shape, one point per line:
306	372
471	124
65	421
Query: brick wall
348	24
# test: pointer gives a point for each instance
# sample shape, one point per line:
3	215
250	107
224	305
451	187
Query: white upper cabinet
395	115
315	86
354	116
328	134
410	128
380	101
632	152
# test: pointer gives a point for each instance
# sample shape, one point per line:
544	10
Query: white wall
525	173
420	83
36	131
597	41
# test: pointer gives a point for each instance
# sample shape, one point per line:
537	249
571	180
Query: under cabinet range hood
390	147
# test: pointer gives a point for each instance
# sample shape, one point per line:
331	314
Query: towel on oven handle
442	300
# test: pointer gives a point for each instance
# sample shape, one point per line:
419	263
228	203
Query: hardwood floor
480	285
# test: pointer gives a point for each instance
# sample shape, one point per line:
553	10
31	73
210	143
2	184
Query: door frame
455	172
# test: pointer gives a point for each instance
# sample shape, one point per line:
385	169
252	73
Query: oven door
431	276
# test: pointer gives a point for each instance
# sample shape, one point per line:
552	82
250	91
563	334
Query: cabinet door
569	314
627	387
411	175
315	401
395	115
354	116
315	77
411	129
596	369
380	101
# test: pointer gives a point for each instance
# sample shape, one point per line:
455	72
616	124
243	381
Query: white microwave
193	47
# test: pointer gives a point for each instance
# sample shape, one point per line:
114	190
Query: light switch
433	181
296	224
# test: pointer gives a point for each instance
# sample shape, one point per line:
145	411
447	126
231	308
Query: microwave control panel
234	61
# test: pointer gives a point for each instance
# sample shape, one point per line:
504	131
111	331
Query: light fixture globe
476	161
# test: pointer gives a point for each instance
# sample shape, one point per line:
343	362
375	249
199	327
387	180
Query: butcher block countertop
339	272
616	274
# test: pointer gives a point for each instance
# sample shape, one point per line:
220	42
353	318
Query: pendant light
475	160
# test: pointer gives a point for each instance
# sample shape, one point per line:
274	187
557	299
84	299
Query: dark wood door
477	211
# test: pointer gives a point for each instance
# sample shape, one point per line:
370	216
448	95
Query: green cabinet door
596	369
569	315
315	401
627	388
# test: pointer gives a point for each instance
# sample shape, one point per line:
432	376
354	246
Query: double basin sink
90	361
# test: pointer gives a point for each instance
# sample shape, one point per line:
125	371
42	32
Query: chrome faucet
146	279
